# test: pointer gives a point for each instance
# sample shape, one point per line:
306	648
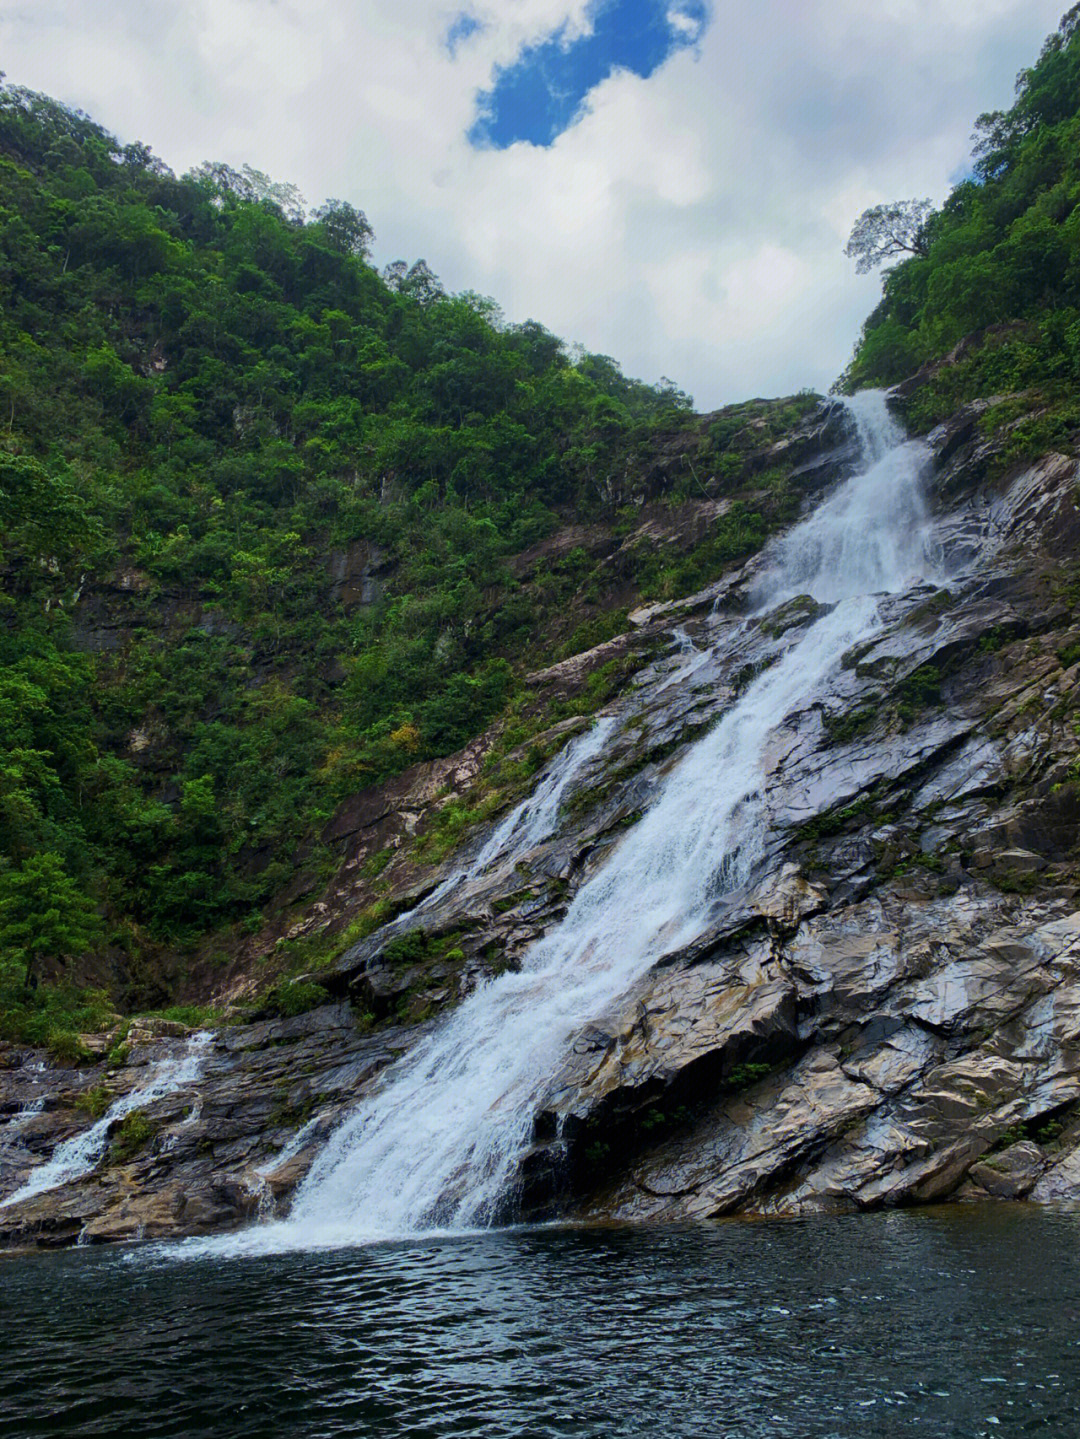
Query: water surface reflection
959	1322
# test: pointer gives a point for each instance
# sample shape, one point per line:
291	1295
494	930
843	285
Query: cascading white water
441	1139
690	660
13	1127
10	1132
80	1154
869	534
536	817
531	821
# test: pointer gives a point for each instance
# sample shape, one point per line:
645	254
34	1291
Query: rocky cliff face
888	1013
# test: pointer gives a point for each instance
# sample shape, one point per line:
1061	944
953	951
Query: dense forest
212	403
996	271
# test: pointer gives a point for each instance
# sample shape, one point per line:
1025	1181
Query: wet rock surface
888	1013
219	1149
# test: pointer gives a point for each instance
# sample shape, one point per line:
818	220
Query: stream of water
530	821
83	1152
437	1146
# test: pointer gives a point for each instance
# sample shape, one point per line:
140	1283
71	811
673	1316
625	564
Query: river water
948	1323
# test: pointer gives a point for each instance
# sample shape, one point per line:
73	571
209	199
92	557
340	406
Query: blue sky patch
541	94
460	29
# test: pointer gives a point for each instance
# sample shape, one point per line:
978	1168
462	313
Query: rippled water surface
959	1322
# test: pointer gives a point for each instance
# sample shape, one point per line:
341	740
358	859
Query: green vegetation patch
290	998
999	263
133	1133
920	690
843	728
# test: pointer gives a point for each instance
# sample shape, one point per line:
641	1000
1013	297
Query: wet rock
1019	861
1010	1174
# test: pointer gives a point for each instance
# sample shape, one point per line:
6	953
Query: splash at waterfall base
885	1007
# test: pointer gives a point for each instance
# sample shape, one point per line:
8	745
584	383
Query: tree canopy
43	913
1004	250
889	232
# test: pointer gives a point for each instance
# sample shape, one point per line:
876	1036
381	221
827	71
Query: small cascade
289	1151
255	1186
12	1129
534	819
689	659
439	1143
83	1152
9	1134
537	816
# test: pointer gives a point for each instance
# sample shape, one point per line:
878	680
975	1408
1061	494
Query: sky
669	182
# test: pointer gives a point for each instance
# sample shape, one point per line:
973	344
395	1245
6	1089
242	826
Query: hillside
274	529
989	306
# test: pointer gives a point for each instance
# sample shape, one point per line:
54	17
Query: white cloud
686	25
690	224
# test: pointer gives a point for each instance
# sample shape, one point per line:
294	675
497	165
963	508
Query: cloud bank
668	184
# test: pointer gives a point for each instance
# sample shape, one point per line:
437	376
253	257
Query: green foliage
594	632
375	863
834	821
991	641
51	1015
194	1016
451	823
842	729
742	1076
417	946
1044	1130
737	533
407	948
920	690
43	913
94	1101
291	997
208	400
133	1133
1001	259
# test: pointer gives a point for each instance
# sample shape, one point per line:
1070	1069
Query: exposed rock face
221	1147
889	1013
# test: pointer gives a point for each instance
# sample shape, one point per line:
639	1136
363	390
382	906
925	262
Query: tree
250	187
43	913
887	232
417	282
346	228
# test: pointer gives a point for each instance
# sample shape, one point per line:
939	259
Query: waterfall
536	817
82	1153
439	1142
17	1123
13	1127
532	820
